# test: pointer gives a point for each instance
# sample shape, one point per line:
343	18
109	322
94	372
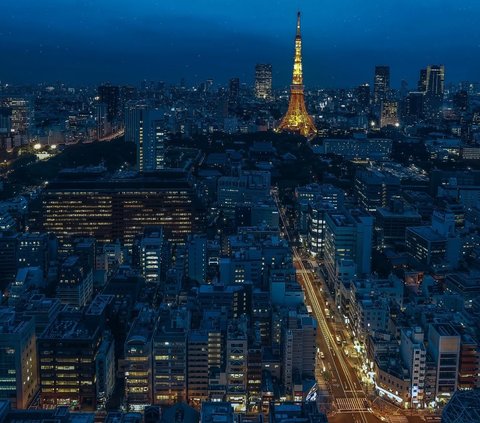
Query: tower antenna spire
298	24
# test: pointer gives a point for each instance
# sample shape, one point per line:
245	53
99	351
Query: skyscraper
146	127
263	81
381	84
110	96
297	118
435	86
362	94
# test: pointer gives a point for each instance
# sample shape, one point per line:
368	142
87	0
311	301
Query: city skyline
86	43
183	240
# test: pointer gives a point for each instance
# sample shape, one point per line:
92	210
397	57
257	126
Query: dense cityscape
241	253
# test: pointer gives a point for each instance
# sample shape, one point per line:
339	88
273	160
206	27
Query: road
350	403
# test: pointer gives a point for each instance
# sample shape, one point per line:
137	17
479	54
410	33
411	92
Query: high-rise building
297	118
348	235
460	100
5	121
233	89
134	111
263	81
146	127
422	81
435	86
236	363
8	258
170	358
68	349
111	209
110	96
381	84
197	258
151	251
362	94
414	104
18	359
21	114
198	369
444	346
414	356
138	362
151	140
389	113
299	341
374	188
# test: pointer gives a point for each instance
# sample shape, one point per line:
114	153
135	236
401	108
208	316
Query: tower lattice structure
297	118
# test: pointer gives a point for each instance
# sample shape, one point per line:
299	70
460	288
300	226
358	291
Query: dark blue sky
125	41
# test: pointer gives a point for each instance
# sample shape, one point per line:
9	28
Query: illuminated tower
297	118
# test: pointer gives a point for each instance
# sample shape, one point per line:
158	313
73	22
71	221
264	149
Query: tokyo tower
297	118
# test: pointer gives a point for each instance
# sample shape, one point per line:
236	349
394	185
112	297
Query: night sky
125	41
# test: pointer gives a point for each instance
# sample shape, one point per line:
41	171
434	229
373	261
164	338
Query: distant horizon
89	42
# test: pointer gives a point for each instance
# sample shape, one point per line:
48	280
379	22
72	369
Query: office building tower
198	368
422	81
460	100
362	94
348	235
297	118
316	226
414	105
75	286
110	96
138	362
22	115
435	78
197	258
374	188
5	121
299	349
18	359
263	81
8	258
392	221
133	115
389	113
233	89
151	140
118	208
444	346
236	363
381	84
414	356
151	252
146	127
68	349
426	246
103	124
170	358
